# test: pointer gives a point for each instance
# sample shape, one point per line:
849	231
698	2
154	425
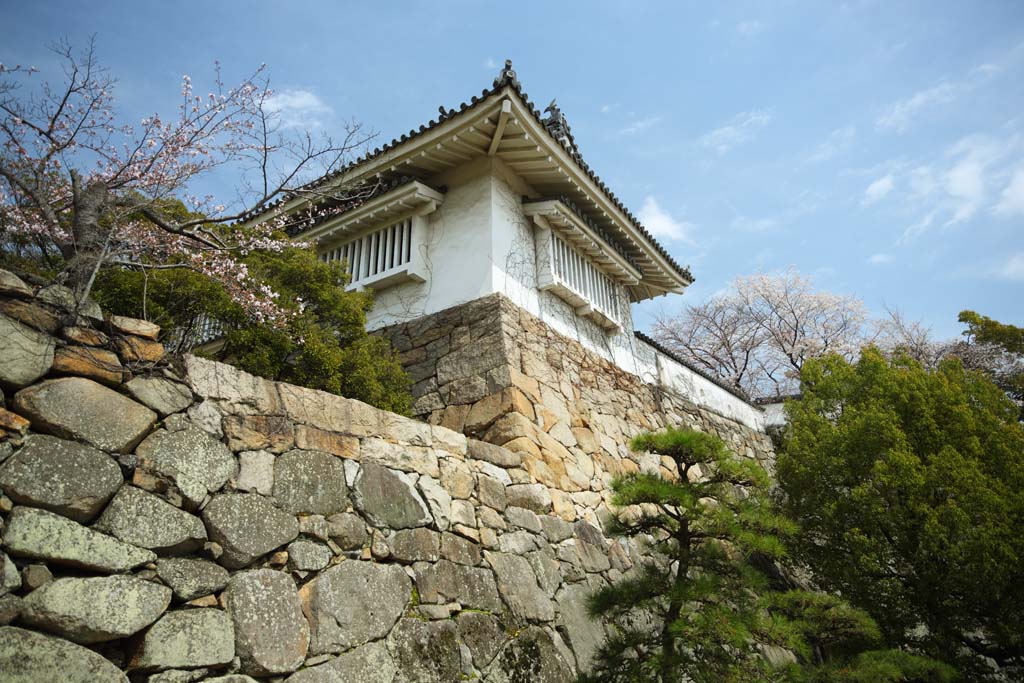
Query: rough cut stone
353	603
347	530
426	651
256	472
308	556
535	497
10	578
531	656
196	462
190	577
443	581
140	328
66	477
96	609
35	576
30	314
523	518
438	500
147	521
247	526
162	395
496	455
584	632
483	634
415	545
28	657
222	382
491	492
84	335
370	663
43	535
271	635
10	609
84	361
62	297
591	547
310	482
389	498
459	550
25	355
12	285
313	439
80	409
186	639
139	350
518	586
259	432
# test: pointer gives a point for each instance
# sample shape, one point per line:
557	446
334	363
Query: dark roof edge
769	400
738	393
507	77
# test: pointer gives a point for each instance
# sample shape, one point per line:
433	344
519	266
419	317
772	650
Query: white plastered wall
479	242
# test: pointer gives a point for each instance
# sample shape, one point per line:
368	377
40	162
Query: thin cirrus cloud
662	224
899	115
639	125
878	190
1011	202
298	109
880	259
839	141
1011	269
740	129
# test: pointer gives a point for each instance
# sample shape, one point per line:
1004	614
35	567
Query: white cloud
877	190
297	108
640	125
754	224
1012	200
491	63
899	114
1012	268
838	142
923	182
965	183
879	259
740	129
918	228
660	224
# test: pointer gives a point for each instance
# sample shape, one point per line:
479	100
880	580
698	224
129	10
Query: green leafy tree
323	344
691	611
1004	361
909	486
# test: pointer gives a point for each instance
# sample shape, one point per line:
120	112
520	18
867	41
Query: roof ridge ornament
558	126
507	76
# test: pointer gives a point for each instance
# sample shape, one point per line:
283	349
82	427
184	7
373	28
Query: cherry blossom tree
758	334
85	188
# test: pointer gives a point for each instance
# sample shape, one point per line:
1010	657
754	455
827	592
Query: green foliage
323	346
985	330
1007	367
691	610
909	485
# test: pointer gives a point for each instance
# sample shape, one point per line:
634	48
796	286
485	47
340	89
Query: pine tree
700	610
692	610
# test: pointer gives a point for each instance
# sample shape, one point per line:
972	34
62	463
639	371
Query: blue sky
878	146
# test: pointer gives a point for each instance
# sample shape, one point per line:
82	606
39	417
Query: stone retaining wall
493	371
189	522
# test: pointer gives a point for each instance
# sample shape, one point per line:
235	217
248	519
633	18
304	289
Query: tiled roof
354	200
612	244
738	393
507	77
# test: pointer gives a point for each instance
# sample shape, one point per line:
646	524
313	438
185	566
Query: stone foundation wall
170	522
495	372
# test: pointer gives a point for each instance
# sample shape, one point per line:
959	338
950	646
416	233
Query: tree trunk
85	254
675	606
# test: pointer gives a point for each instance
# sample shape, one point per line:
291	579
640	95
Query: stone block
162	395
28	657
25	355
144	520
80	409
271	634
65	477
186	639
86	361
310	482
247	526
258	433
